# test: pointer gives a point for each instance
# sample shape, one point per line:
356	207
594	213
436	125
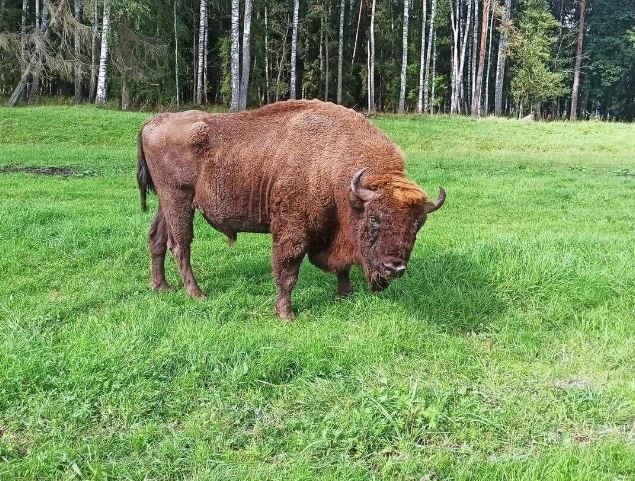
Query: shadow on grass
450	289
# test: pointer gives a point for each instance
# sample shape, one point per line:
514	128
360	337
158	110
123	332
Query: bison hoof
197	294
161	287
343	294
285	313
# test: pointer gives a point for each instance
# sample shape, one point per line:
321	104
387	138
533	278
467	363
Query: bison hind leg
158	240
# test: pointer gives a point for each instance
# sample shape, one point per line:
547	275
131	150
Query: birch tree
267	86
578	62
404	57
235	57
244	78
371	62
201	51
294	49
102	77
501	59
490	32
77	45
176	57
340	52
422	58
431	39
93	53
478	93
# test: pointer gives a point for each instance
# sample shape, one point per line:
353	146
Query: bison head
389	210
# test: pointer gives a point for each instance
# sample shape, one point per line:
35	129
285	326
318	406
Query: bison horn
433	205
361	192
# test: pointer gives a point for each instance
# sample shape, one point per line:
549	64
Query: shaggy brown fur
286	168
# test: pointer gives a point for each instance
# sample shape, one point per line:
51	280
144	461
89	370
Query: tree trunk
476	100
326	59
434	68
474	50
266	56
125	93
78	63
200	64
176	58
460	79
371	62
454	70
422	58
431	32
25	6
359	19
489	57
404	57
102	78
340	52
93	54
34	91
502	57
294	49
235	56
578	63
244	78
21	85
205	61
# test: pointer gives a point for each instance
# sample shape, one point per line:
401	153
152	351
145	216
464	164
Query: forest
553	59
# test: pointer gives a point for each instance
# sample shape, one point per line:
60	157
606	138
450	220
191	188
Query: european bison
321	178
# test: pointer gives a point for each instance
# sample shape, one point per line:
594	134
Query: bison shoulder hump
198	135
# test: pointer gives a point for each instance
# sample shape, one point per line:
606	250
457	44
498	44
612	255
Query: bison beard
320	178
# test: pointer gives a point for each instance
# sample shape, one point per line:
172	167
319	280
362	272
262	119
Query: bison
320	178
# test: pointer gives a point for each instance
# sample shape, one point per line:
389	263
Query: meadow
507	352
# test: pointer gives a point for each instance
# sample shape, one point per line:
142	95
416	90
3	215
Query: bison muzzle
320	178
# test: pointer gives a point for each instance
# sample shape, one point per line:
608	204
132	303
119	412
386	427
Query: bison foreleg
344	288
287	258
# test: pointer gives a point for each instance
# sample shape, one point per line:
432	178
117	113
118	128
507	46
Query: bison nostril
395	267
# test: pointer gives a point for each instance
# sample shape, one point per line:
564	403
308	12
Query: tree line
547	58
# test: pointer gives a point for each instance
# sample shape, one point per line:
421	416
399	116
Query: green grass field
507	352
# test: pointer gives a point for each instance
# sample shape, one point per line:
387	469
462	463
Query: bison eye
373	223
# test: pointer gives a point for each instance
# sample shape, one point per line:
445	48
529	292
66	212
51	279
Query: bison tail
144	179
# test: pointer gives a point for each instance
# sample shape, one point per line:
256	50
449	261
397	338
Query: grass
507	351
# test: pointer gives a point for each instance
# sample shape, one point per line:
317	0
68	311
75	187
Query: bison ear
435	204
360	192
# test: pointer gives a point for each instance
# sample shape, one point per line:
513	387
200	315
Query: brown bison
320	178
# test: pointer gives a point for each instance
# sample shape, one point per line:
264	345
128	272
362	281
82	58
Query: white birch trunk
102	78
474	50
266	56
359	19
434	70
422	59
93	53
578	63
404	57
460	78
176	58
294	49
235	56
431	32
454	22
200	65
78	63
371	62
340	53
489	57
502	57
244	79
326	60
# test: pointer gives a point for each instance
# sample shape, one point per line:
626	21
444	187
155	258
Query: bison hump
198	136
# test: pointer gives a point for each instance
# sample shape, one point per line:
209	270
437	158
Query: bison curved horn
435	204
361	192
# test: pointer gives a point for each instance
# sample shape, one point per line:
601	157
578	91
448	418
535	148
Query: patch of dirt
48	171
